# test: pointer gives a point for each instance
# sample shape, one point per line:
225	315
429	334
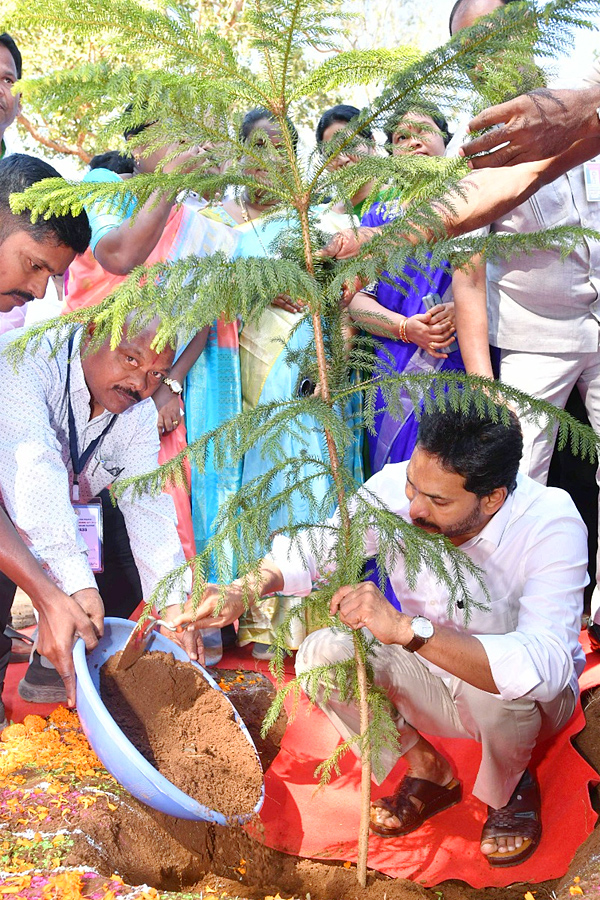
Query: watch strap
415	644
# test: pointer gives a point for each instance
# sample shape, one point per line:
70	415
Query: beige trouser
507	730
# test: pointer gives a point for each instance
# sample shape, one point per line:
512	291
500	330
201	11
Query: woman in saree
411	312
270	376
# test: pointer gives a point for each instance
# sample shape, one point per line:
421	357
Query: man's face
119	378
27	264
10	104
439	502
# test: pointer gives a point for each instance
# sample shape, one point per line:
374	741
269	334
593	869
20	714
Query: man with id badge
86	421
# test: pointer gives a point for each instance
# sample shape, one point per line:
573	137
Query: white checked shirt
533	553
36	473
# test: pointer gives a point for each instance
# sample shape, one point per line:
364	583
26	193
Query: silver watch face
422	627
175	386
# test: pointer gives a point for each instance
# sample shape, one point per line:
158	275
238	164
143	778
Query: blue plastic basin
116	752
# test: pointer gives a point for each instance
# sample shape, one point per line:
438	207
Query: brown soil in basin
186	729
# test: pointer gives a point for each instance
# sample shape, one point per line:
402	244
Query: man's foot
511	834
3	719
427	788
41	684
414	801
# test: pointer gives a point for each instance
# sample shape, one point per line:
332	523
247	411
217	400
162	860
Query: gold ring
175	423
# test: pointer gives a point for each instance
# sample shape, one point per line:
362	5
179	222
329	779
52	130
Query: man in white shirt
507	677
80	424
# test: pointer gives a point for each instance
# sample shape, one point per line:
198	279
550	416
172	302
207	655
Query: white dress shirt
533	554
36	474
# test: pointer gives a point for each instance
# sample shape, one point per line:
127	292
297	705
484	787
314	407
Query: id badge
592	181
89	523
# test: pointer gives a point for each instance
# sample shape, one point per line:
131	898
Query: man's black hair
342	113
486	453
460	3
255	115
114	161
423	108
14	51
20	171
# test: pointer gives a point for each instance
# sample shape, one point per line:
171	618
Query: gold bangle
402	331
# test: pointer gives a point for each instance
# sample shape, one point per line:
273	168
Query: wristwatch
422	632
173	385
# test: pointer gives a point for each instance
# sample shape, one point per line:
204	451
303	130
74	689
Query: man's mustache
423	523
24	295
135	396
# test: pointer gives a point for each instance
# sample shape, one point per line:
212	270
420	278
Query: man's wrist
404	632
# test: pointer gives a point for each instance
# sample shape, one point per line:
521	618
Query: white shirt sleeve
297	557
33	477
150	519
535	660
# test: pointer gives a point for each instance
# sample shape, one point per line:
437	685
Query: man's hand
61	620
190	641
364	606
204	616
346	243
168	405
534	126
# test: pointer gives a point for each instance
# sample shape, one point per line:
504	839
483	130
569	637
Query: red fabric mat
299	819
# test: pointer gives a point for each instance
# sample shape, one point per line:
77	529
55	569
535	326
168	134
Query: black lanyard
78	462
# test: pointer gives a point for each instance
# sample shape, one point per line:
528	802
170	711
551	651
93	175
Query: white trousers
552	377
507	730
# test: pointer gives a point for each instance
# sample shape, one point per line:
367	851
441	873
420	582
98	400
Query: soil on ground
184	728
115	833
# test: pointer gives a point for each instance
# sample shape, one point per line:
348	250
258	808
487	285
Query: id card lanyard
89	515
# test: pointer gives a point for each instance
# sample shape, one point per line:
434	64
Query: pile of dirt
184	728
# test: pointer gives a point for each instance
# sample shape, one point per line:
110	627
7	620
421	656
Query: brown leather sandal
430	799
519	818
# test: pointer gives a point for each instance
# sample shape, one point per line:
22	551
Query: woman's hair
423	108
113	160
255	115
460	3
341	113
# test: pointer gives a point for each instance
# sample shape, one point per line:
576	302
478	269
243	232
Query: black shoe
41	684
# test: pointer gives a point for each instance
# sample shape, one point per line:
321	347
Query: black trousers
119	585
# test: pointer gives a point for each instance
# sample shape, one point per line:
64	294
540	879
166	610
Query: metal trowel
138	640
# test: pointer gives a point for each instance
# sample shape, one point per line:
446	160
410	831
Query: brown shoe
519	818
414	801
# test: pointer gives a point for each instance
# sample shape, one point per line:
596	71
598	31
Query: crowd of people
77	422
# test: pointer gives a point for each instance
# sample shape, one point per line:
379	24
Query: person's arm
470	307
61	618
432	330
537	125
482	197
167	403
130	244
462	655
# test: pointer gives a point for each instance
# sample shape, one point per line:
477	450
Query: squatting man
508	678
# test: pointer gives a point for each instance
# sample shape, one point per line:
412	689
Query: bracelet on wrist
402	331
